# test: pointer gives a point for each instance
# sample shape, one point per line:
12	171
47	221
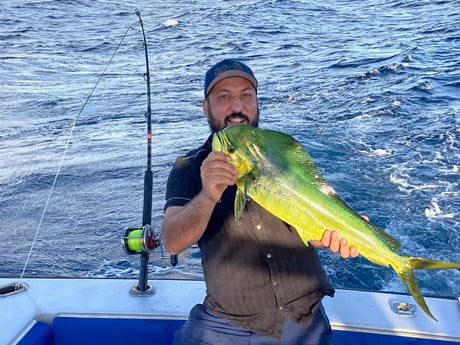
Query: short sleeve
182	185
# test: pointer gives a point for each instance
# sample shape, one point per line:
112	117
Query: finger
353	252
218	167
344	249
326	239
334	245
316	243
219	156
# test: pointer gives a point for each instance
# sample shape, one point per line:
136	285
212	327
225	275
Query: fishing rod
143	240
148	177
148	193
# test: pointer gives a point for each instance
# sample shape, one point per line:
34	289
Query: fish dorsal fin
390	241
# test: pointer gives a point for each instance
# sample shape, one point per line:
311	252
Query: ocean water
370	88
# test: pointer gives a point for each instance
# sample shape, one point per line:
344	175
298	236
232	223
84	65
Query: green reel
139	240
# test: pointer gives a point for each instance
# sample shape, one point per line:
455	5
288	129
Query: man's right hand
217	173
184	225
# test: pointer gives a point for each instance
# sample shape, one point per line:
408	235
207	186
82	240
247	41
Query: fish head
238	143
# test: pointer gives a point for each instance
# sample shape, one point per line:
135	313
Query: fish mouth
218	145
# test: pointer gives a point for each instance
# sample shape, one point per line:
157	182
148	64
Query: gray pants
203	328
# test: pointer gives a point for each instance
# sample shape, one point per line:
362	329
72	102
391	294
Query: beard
231	120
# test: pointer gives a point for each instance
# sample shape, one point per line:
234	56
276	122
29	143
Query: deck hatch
12	289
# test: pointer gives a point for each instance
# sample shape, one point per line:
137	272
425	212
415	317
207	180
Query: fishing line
74	122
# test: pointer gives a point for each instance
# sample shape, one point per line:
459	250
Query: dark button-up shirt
257	272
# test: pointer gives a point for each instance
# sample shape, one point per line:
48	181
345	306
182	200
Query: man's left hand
332	241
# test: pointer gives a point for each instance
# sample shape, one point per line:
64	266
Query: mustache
237	115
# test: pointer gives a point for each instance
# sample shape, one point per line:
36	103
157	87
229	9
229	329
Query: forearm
184	226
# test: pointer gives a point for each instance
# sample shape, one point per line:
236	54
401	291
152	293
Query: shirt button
269	256
275	283
259	227
280	307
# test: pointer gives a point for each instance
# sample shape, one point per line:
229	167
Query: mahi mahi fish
275	171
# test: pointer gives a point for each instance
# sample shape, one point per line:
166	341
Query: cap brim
232	73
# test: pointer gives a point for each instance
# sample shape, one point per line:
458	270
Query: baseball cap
225	69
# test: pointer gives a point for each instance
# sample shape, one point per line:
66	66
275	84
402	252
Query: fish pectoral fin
240	203
241	197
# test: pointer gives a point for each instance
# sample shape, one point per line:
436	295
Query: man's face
232	101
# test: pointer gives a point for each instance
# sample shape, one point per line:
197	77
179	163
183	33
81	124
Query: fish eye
231	149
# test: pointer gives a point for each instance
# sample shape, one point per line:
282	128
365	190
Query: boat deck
95	311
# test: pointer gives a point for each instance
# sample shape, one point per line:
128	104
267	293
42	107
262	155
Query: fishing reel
140	240
143	241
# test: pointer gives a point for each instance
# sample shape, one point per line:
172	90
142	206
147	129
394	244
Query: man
263	285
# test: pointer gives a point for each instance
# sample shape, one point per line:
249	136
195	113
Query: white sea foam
400	179
381	152
434	211
170	22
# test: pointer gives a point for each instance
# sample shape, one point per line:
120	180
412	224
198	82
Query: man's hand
332	241
217	173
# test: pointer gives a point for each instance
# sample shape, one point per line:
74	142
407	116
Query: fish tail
421	263
406	273
408	279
